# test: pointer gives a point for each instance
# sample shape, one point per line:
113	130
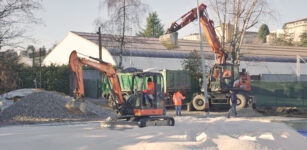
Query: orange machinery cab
237	80
154	104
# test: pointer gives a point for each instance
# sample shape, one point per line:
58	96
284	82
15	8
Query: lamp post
99	42
203	64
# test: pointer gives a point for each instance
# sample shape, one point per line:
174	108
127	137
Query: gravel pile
41	107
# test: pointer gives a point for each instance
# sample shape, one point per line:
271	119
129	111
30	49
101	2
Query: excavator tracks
156	121
127	122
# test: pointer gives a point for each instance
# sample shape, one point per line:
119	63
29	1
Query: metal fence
286	94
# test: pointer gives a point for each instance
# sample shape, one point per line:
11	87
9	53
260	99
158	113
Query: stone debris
7	99
46	106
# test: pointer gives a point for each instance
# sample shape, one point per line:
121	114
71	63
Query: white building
296	28
144	53
60	54
291	30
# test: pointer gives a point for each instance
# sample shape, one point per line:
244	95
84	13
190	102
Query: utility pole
207	110
40	67
33	67
100	58
99	43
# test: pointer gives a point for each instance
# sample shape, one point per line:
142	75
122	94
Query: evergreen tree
303	39
263	32
153	27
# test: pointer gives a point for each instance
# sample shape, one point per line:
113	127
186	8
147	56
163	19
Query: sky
61	16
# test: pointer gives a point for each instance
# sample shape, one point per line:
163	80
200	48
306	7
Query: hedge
54	78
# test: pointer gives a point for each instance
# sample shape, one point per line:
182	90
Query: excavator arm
208	27
76	66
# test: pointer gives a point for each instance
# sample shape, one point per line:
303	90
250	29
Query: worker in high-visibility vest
227	76
149	92
177	99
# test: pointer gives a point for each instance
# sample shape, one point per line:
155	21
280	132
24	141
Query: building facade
296	28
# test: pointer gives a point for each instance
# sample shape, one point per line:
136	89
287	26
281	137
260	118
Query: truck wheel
142	123
241	101
170	121
199	102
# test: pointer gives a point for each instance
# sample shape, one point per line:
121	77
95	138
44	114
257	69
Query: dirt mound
283	111
40	107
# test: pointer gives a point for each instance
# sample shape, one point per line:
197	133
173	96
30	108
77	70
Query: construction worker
226	73
177	99
227	76
149	92
233	98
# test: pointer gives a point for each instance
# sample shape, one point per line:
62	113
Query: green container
125	81
180	80
177	80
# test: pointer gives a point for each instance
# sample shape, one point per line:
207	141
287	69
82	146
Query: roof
151	47
305	19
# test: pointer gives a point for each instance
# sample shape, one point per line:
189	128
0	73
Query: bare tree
14	15
124	15
243	15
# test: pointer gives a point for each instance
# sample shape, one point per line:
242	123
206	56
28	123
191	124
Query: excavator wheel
142	123
171	122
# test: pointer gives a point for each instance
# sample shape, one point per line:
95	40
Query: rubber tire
198	102
241	101
142	123
170	121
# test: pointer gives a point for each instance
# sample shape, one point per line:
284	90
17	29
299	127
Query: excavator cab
227	77
154	103
223	77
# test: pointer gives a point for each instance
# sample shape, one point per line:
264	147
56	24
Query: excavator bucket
170	41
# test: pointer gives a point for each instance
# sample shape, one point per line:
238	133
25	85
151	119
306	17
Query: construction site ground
35	129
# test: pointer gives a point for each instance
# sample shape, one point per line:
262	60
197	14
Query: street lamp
203	64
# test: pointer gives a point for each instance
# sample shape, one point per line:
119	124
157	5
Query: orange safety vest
226	74
177	97
150	88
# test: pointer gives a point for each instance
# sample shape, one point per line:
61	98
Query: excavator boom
76	66
169	40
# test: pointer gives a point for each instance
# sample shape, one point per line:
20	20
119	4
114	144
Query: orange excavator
134	108
223	76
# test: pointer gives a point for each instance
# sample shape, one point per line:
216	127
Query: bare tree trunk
123	37
245	26
224	36
236	9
